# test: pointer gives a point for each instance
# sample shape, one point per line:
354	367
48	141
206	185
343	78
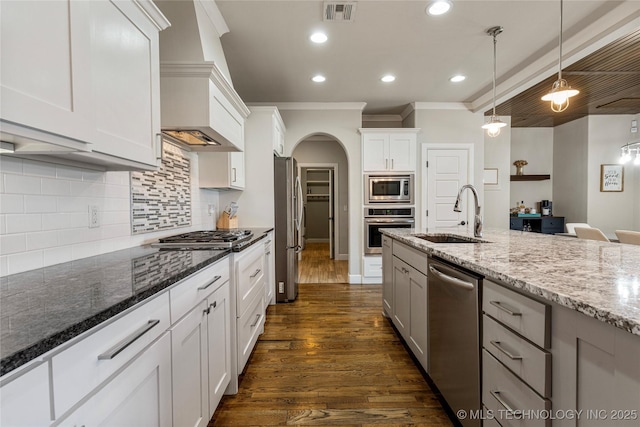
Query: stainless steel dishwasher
454	336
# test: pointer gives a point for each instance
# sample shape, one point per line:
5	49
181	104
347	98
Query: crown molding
382	118
327	106
153	13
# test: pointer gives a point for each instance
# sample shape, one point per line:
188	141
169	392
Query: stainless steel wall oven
377	218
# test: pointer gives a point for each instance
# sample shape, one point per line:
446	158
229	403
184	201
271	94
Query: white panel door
446	173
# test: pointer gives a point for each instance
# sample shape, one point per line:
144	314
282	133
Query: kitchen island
558	323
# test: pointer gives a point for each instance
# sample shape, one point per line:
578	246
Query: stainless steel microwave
388	189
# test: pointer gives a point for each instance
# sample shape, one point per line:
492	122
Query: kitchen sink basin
448	238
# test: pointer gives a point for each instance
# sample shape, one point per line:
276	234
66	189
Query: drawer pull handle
258	316
499	305
213	304
511	356
215	279
255	274
116	349
496	395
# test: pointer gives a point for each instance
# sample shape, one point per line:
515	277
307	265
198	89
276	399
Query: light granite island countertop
598	279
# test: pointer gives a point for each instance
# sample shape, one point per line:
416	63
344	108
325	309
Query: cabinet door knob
213	304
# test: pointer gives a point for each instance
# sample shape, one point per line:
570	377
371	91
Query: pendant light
560	91
494	124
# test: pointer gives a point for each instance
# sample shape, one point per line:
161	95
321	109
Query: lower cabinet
269	270
136	396
387	275
200	351
410	299
25	398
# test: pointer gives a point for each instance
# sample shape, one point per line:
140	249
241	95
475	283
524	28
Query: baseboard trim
372	280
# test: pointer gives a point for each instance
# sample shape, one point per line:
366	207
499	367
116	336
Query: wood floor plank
331	358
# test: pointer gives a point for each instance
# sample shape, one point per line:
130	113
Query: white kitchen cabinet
389	150
189	355
137	396
278	134
372	269
200	344
596	369
387	276
249	270
221	170
99	95
219	344
24	397
269	270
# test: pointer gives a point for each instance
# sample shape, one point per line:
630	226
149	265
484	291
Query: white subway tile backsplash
115	217
57	255
56	187
31	167
93	176
17	263
42	240
79	235
116	191
10	164
12	243
23	223
117	177
21	184
39	204
72	204
68	172
11	203
3	265
3	224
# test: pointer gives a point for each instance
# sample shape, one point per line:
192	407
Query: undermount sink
448	238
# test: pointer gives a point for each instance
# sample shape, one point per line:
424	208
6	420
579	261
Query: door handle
116	349
507	310
215	279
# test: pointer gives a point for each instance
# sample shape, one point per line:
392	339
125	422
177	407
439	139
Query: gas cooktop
207	239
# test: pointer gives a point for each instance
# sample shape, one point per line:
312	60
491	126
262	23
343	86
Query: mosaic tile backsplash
161	199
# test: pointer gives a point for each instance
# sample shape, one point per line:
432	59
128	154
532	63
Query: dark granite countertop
44	308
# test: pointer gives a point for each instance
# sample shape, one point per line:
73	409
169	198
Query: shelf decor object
611	178
520	164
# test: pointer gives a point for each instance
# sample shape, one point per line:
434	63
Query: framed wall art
611	178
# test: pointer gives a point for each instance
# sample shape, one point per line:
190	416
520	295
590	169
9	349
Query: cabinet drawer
516	223
197	287
504	395
85	365
524	359
250	326
414	258
372	266
528	317
24	401
552	225
250	277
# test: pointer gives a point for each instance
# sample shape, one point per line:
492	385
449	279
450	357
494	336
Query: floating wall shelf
530	177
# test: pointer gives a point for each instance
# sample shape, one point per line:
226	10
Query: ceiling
271	59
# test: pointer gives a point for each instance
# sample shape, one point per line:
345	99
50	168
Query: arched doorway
323	170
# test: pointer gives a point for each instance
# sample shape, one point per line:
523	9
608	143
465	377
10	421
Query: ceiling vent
340	11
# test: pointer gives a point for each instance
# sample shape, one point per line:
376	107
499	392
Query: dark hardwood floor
331	359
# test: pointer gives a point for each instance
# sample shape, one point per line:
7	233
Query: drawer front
250	277
372	266
527	361
504	395
516	223
250	326
528	317
489	419
414	258
195	288
85	365
552	225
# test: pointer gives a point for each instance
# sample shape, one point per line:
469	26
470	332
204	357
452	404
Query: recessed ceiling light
318	78
318	37
457	78
388	78
438	7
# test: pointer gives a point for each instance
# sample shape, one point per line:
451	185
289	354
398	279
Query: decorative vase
520	164
519	170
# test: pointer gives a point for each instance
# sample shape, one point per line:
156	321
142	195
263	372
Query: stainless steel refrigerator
289	206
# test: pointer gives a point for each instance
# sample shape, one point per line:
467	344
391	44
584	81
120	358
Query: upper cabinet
389	150
82	80
221	170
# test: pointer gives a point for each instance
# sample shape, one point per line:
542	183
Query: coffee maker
545	208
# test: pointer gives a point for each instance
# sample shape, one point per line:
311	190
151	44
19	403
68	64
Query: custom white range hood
200	109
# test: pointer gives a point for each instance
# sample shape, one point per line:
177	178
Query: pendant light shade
560	91
494	124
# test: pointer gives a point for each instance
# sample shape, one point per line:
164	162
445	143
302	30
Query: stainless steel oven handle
389	221
452	280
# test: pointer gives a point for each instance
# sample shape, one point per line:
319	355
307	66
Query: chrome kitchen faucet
477	219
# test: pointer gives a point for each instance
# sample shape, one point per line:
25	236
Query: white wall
535	145
341	122
330	151
450	125
44	213
570	152
496	197
611	210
